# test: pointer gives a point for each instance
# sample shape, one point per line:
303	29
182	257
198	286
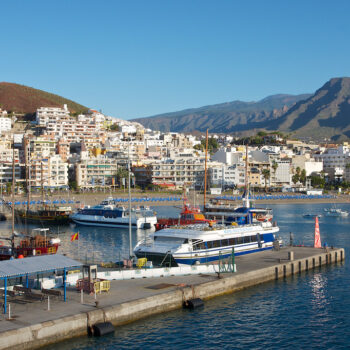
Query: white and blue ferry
107	214
196	244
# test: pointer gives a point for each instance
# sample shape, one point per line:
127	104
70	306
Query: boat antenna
205	169
130	238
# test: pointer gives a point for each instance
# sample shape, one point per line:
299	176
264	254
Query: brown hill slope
326	114
26	100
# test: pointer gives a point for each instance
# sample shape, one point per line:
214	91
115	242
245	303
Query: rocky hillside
225	117
326	114
25	100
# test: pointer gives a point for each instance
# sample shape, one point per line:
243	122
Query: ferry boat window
216	244
231	241
210	244
225	242
247	239
202	245
253	238
239	240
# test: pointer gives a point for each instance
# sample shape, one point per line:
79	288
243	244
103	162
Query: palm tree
266	175
122	173
274	167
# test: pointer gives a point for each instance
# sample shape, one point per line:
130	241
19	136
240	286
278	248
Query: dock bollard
290	256
48	303
9	312
81	296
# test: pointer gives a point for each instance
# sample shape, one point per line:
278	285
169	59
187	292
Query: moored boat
189	215
200	244
108	214
45	214
39	242
335	212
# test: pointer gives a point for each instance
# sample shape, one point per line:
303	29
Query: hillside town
90	152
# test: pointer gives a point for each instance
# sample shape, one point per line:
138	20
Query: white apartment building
334	158
93	172
6	172
42	147
48	172
305	162
5	124
282	175
45	115
226	175
228	155
177	172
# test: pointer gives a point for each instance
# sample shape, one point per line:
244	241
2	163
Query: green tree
295	178
266	175
303	176
122	173
317	181
73	185
8	187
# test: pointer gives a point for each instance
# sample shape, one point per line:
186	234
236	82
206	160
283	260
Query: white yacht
336	212
108	214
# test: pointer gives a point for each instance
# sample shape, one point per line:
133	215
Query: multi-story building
100	171
225	175
42	147
5	124
48	172
45	115
334	158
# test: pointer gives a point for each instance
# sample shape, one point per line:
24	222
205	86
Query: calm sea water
301	312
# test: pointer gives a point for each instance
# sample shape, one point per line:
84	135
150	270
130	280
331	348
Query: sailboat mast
130	237
13	195
246	182
42	181
205	169
27	171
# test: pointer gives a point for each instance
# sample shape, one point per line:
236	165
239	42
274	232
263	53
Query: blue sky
139	58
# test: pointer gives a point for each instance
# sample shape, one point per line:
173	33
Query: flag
74	237
317	243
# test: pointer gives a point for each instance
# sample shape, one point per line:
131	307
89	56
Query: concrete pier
32	325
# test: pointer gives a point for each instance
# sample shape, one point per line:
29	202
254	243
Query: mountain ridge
324	114
232	114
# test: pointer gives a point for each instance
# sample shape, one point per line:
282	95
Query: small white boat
335	212
312	216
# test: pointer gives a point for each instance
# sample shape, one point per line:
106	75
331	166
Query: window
239	240
216	244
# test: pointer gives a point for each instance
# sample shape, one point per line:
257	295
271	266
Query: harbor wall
64	328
